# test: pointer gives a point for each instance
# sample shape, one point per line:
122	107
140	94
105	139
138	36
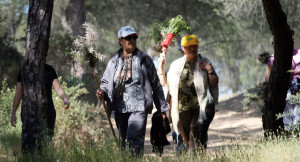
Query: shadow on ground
232	125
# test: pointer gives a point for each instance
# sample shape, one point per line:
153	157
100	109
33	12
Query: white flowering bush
83	48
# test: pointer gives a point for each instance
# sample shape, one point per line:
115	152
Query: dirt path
231	125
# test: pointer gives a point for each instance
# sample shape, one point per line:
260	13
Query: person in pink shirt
295	65
291	117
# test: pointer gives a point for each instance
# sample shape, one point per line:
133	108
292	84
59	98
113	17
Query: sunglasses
135	37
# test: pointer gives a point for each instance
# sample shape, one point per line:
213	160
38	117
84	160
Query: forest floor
231	125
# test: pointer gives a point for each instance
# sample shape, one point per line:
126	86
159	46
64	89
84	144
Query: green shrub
81	134
83	120
6	98
82	123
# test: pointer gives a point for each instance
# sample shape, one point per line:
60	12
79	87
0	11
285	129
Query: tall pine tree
34	100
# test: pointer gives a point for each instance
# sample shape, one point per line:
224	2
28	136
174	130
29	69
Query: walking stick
106	111
84	51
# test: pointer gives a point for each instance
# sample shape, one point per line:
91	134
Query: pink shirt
295	62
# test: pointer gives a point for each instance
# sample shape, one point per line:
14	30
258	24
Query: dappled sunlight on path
231	125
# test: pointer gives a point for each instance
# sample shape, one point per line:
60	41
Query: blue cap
180	47
125	31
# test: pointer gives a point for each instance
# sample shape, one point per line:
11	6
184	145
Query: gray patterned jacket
149	79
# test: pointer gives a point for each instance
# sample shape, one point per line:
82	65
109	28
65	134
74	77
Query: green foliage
264	57
174	25
12	22
278	149
6	98
294	99
156	34
251	67
79	131
227	30
10	143
80	119
256	95
81	134
9	63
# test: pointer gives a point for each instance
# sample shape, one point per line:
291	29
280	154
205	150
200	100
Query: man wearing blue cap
130	85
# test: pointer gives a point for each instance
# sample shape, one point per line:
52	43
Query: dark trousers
195	132
51	116
132	129
210	114
33	133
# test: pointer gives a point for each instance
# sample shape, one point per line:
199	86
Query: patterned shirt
132	99
187	93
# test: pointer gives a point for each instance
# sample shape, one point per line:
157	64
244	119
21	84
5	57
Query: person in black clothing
29	138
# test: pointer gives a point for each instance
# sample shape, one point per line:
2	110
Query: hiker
193	88
163	81
177	138
291	113
29	135
130	85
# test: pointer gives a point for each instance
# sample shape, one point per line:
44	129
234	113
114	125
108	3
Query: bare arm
161	69
161	74
169	100
213	79
268	72
17	99
61	93
150	71
212	76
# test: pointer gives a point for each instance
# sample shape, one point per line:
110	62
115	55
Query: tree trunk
34	99
279	79
78	16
